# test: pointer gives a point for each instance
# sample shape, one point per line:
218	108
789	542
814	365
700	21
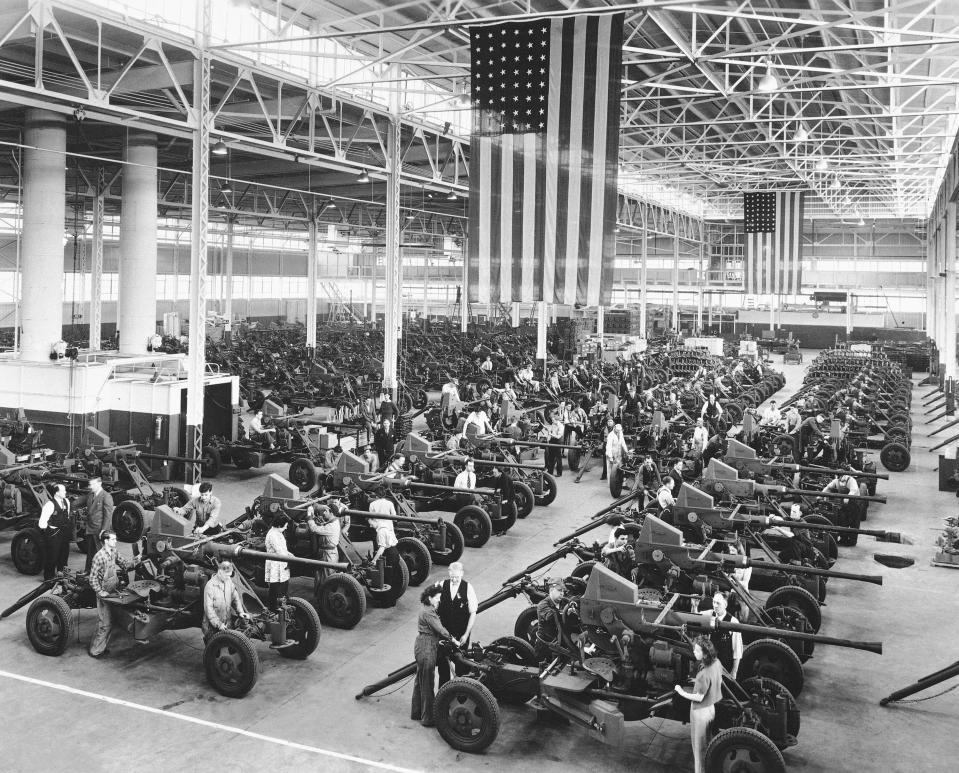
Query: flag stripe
495	216
506	218
580	258
529	198
609	169
538	289
567	199
517	199
552	163
480	235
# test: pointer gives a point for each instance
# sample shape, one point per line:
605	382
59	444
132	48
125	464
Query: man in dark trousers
457	611
56	525
99	517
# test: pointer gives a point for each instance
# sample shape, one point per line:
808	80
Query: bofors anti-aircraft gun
621	666
167	594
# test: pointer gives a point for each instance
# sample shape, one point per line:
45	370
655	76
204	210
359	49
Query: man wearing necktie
99	517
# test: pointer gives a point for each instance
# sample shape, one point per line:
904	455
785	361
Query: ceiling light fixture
452	196
835	184
822	165
861	222
801	134
219	148
226	187
364	177
768	82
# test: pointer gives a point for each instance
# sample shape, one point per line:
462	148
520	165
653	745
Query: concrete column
772	312
514	314
930	296
643	278
96	266
136	306
311	283
710	312
675	275
600	322
541	332
940	294
849	299
394	310
949	286
44	201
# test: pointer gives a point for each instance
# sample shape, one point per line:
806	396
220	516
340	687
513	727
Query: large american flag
543	159
773	253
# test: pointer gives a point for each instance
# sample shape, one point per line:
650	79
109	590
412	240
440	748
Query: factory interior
410	385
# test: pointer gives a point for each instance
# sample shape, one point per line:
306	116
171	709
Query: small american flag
543	159
773	255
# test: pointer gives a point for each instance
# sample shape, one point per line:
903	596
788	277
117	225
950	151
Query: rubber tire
516	651
248	666
454	546
211	461
59	624
732	743
417	558
895	457
550	489
526	624
28	550
507	520
128	519
794	621
583	569
524	498
773	659
573	459
341	600
828	540
242	459
759	684
797	598
454	694
306	625
422	399
398	578
475	524
177	496
616	483
302	474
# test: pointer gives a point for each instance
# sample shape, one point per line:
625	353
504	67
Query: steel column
949	287
643	279
200	189
392	329
96	266
930	293
600	322
675	274
228	281
311	283
541	332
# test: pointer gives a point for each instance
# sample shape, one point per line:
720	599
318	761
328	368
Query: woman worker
707	690
429	631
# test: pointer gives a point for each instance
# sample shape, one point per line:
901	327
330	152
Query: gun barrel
439	487
828	471
557	554
230	551
403	518
165	458
26	599
508	465
537	444
831	495
599	518
873	579
401	673
503	594
868	646
882	536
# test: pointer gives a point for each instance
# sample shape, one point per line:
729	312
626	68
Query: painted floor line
206	723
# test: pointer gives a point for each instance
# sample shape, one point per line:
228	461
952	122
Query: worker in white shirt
700	435
467	478
487	365
728	644
477	423
664	497
267	433
615	449
56	525
385	537
772	416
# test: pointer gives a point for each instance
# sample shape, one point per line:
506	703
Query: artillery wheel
734	411
507	519
466	715
743	750
823	540
242	459
28	550
231	663
50	625
792	619
302	474
765	691
773	659
211	461
453	549
304	628
784	445
422	399
128	519
797	598
341	600
405	402
417	558
573	458
616	482
475	524
895	457
524	498
525	626
550	489
518	652
176	496
583	569
397	578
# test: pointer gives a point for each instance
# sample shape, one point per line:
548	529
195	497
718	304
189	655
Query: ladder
340	310
456	308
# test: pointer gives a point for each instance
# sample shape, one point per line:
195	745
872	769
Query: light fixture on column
768	82
861	221
451	196
801	134
364	177
219	148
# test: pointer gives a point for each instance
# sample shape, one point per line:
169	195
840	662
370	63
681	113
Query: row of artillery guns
626	633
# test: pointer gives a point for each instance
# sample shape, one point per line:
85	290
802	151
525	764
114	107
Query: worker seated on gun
205	507
772	416
524	378
618	557
261	433
549	621
477	423
221	601
324	528
332	456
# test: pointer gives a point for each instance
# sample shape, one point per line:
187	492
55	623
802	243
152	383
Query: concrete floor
149	706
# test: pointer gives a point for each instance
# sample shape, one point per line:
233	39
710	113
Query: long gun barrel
537	444
387	517
564	550
827	471
868	646
882	536
238	551
415	484
599	518
503	594
392	678
26	599
769	489
743	562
